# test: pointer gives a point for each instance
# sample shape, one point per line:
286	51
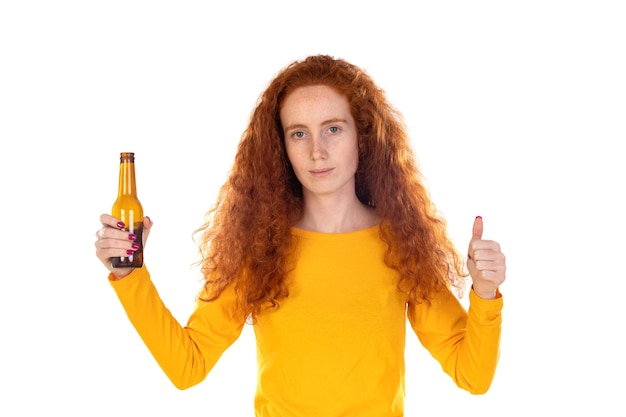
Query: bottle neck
127	185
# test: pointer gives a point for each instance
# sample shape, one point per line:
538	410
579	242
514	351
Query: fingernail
120	225
130	252
469	256
479	217
132	237
135	245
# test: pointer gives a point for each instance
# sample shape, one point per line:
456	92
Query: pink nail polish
132	237
120	225
130	252
135	245
479	217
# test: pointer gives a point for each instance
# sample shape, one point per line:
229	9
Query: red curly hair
246	239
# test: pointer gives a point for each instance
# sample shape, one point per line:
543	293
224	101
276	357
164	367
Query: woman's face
321	140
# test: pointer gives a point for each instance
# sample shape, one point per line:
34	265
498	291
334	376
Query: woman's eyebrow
325	122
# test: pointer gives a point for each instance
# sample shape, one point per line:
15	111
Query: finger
108	220
477	230
110	233
105	250
496	276
477	234
147	225
486	245
491	265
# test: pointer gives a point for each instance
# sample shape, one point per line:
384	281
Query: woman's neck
328	214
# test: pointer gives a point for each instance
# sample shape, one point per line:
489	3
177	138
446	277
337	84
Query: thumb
477	230
147	225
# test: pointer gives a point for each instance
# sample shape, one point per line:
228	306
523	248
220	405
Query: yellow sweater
335	347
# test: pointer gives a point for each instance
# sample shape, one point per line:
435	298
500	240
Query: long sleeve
466	344
186	354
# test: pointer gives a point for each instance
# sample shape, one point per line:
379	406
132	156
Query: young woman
324	237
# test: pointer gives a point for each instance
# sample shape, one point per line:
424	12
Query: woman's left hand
486	263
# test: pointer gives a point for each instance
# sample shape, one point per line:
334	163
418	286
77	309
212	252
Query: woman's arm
186	354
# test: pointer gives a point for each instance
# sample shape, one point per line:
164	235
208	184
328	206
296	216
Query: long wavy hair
246	239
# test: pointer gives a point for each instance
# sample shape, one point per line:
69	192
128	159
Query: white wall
517	111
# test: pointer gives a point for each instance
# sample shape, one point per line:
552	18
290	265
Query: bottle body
128	209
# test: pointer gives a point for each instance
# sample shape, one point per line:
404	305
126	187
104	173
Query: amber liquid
136	259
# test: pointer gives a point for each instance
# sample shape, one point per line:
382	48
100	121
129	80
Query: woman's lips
322	172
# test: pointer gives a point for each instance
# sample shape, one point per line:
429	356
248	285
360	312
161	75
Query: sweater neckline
357	234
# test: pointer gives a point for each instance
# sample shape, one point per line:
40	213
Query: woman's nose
318	150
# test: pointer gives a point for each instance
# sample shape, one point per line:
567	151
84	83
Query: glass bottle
128	209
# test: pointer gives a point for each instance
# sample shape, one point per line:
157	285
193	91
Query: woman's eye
333	129
298	135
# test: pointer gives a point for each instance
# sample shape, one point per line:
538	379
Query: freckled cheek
355	167
355	159
295	158
291	154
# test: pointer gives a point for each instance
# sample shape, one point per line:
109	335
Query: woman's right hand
113	241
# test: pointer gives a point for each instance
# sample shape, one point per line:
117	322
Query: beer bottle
128	209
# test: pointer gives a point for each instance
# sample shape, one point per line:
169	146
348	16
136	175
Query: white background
517	111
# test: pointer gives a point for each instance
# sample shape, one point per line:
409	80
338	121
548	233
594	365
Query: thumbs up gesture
486	263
